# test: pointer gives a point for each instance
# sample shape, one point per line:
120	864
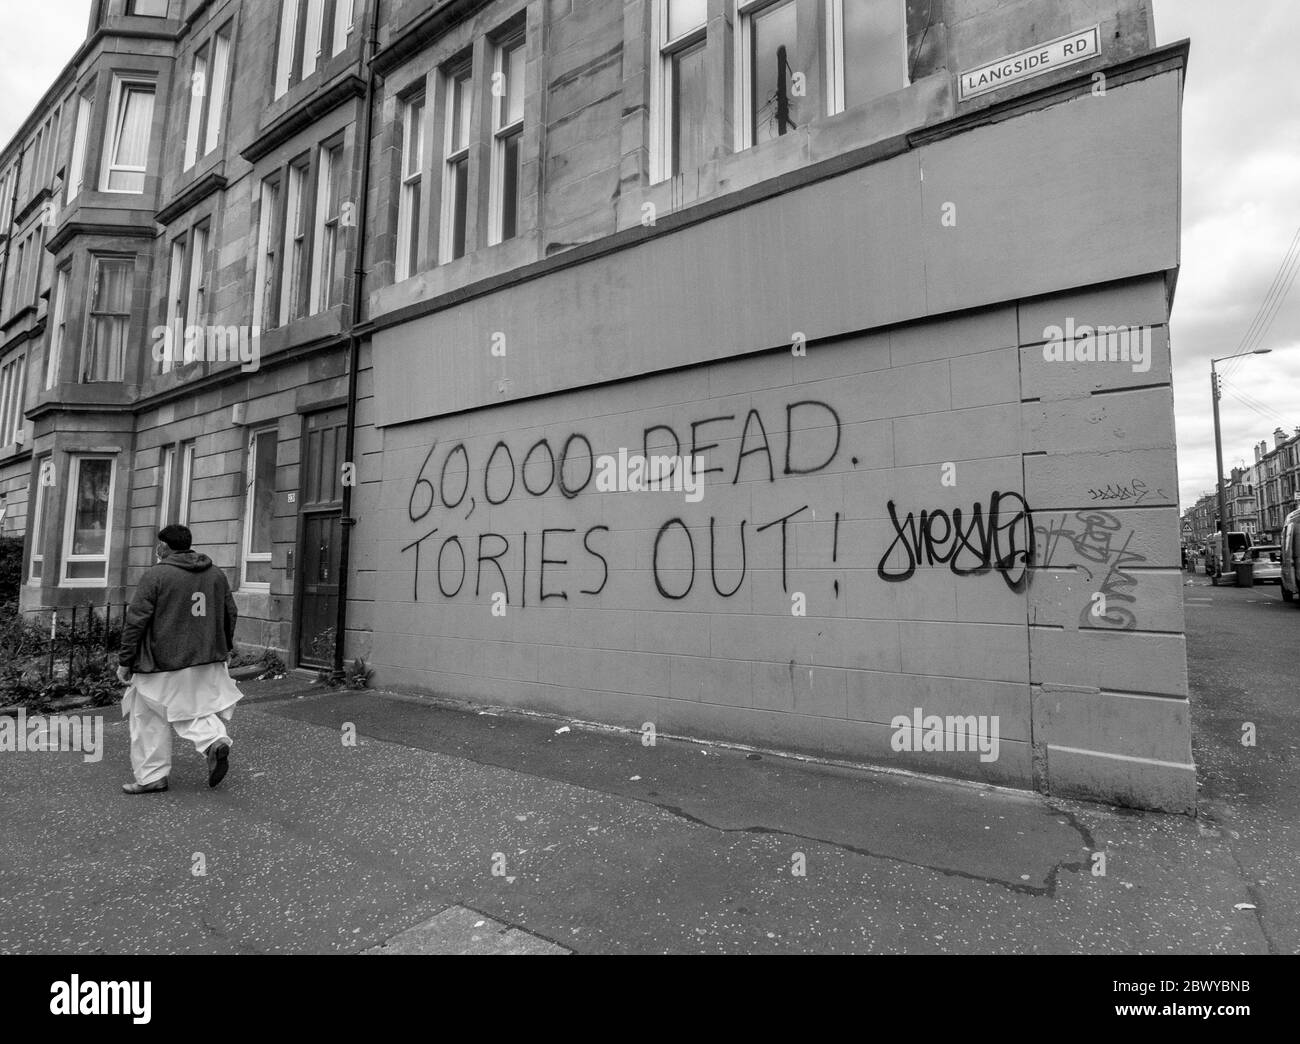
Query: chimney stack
1279	437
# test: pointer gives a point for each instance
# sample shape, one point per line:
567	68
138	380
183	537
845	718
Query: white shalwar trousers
151	738
151	734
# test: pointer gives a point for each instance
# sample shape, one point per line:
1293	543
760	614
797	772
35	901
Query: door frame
298	584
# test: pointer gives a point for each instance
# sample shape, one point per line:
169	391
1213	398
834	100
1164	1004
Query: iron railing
75	630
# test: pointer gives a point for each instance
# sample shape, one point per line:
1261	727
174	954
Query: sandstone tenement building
367	292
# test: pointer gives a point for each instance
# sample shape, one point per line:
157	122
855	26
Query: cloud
1241	209
36	42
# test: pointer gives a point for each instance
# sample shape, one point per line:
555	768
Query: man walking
179	630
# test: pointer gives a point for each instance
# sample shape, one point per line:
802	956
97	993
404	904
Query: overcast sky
1241	201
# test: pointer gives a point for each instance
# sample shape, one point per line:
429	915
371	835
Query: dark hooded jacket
169	628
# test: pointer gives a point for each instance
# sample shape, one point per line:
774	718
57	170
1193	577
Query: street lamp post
1215	395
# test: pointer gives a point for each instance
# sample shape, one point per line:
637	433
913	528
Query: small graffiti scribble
1094	539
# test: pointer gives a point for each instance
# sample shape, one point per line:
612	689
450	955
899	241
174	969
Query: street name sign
1034	61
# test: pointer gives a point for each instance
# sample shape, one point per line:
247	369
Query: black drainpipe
354	346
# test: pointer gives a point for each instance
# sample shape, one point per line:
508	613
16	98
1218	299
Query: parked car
1238	545
1291	557
1267	559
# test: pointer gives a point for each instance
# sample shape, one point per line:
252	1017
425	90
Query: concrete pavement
453	830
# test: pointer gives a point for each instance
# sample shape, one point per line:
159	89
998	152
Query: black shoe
156	787
218	761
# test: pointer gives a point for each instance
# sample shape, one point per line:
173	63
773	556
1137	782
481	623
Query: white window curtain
110	319
130	145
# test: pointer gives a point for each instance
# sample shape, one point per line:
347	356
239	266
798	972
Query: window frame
58	326
6	197
210	71
269	266
218	84
295	262
664	101
197	275
297	57
13	381
339	30
184	491
200	74
746	14
835	61
175	303
406	256
15	291
37	555
69	527
312	15
458	86
122	84
503	131
327	235
80	143
284	77
89	340
247	555
167	468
